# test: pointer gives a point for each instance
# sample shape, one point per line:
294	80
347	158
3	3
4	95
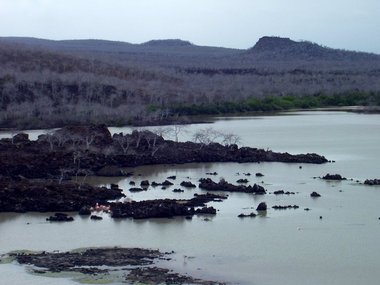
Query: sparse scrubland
55	83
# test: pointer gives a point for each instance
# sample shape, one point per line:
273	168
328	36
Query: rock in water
262	207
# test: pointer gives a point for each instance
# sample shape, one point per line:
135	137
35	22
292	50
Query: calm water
287	247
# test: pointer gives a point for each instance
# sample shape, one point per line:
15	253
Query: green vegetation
282	103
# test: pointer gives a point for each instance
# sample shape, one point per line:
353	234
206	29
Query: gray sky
346	24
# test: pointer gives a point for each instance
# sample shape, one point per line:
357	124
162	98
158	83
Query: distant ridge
168	43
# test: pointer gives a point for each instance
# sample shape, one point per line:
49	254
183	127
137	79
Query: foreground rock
25	195
222	185
57	262
134	263
155	275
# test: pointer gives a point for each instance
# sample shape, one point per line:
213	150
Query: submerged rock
252	215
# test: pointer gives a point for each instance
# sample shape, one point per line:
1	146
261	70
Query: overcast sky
346	24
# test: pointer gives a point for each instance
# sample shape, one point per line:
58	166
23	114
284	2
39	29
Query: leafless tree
123	141
176	130
230	139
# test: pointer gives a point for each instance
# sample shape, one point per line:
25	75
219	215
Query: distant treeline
281	103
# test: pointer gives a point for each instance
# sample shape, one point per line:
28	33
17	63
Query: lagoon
289	246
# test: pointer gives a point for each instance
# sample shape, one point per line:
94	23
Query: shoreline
206	119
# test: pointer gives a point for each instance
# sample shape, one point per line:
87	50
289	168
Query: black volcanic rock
80	151
210	185
329	176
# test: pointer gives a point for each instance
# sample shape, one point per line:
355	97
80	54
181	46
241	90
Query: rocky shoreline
91	150
49	174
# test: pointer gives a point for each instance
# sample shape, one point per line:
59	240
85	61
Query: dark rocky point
315	194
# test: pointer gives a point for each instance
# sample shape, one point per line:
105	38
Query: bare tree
206	136
230	139
51	139
89	139
176	130
210	135
139	135
123	141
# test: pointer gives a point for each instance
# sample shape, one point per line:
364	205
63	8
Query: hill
45	83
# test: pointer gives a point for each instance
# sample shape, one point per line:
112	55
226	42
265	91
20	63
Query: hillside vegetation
47	83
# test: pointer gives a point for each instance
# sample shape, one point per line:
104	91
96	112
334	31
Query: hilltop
287	49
